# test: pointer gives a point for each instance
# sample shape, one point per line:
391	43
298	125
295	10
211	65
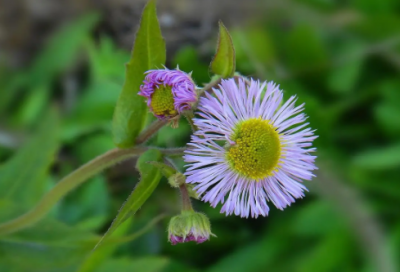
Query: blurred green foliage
343	62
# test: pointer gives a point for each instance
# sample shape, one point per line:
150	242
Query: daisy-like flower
168	92
249	149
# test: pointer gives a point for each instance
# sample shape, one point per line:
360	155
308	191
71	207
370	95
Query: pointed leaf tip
148	53
150	177
224	61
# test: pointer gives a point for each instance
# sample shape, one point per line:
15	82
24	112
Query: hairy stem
173	152
150	131
189	117
207	88
186	203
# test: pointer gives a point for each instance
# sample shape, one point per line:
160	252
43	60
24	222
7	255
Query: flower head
168	92
249	149
189	226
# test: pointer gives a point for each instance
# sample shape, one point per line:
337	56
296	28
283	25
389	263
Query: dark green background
342	58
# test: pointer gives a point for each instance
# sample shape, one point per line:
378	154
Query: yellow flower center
257	150
162	101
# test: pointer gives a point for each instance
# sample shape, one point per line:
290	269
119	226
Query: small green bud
189	226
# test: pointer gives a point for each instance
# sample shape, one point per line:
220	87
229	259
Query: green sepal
190	223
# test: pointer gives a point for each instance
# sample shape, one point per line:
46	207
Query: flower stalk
186	203
150	131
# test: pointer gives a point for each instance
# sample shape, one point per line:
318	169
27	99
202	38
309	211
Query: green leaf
106	60
255	50
331	254
380	159
304	49
150	177
61	50
248	257
47	246
89	201
343	78
316	219
33	106
92	111
23	177
148	53
224	62
59	53
143	264
97	258
166	170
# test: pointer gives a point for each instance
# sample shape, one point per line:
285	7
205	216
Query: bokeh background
61	71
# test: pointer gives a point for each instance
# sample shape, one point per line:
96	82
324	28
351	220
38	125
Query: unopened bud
189	226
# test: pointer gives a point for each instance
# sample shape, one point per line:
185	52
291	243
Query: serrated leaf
150	177
22	178
148	53
224	62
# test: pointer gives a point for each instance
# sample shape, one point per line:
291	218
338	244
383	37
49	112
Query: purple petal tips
168	92
189	226
249	149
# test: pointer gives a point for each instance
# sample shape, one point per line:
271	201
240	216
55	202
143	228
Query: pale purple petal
207	166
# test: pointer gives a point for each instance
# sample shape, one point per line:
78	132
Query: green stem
66	185
173	152
207	88
189	117
82	174
150	131
186	203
